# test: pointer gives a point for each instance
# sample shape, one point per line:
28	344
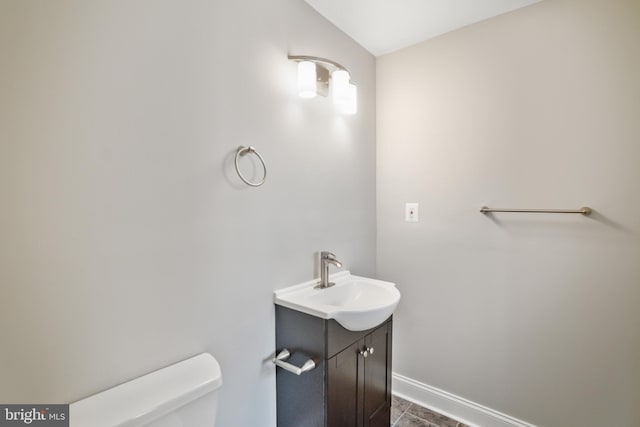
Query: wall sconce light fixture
314	74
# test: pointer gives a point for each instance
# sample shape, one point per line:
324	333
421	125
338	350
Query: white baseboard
458	408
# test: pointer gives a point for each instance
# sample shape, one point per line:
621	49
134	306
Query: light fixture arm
317	59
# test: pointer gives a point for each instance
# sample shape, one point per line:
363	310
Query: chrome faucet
326	258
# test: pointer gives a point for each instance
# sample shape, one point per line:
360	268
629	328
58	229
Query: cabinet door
342	388
377	378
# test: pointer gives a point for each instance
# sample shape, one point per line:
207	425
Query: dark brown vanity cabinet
351	384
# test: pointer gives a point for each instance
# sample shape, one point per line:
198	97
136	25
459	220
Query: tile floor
407	414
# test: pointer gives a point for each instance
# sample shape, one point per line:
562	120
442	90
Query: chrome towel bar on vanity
586	211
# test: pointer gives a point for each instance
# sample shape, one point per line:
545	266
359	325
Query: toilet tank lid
151	396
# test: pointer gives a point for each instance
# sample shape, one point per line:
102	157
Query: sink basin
357	303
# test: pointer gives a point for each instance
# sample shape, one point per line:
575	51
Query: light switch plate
411	212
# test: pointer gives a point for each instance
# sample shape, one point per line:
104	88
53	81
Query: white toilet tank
180	395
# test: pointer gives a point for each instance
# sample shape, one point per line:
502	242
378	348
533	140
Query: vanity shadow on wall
334	342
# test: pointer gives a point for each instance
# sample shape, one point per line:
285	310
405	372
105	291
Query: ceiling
383	26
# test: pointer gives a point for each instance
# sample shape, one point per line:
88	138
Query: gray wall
534	316
127	240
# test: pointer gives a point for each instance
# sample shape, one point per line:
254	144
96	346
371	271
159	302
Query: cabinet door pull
370	349
365	352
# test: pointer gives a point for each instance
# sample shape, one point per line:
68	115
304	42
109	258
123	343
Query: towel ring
250	150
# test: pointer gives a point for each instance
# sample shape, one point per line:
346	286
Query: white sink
357	303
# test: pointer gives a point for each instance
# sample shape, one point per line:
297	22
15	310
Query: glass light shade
307	79
340	86
351	104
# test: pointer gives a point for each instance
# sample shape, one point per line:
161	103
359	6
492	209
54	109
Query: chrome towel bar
279	360
586	211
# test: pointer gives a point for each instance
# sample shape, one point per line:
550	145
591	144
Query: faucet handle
327	255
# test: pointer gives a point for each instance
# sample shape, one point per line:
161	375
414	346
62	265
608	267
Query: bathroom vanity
351	383
334	347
